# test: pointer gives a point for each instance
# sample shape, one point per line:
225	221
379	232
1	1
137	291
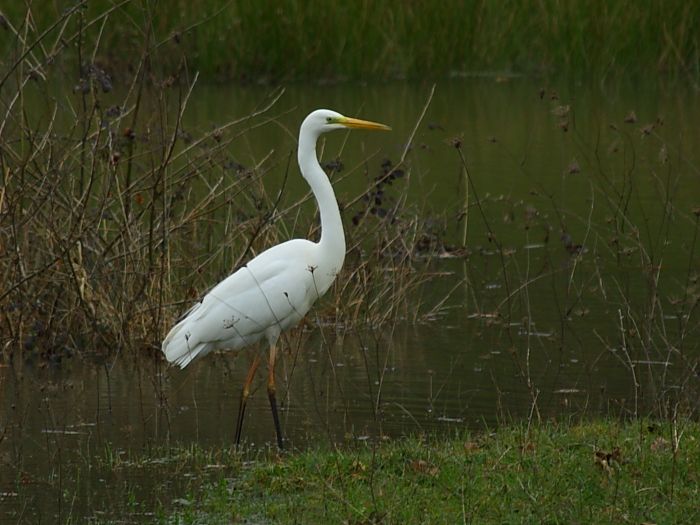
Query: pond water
590	193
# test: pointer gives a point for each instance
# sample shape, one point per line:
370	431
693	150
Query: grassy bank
244	39
600	472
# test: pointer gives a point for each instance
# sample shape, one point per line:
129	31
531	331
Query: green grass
600	472
248	39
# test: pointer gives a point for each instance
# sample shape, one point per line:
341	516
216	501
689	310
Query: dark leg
271	393
244	396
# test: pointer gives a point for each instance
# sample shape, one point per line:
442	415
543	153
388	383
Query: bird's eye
329	119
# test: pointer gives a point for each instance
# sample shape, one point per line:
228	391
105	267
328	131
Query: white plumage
270	294
277	288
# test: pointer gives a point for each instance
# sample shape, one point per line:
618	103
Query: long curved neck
332	241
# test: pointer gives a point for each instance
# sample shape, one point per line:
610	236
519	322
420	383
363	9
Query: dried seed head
646	130
113	111
561	111
455	142
35	75
83	86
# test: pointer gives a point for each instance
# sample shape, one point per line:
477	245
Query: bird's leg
244	396
271	392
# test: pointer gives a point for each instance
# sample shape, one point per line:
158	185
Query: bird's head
323	120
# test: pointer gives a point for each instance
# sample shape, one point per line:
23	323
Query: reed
248	40
619	278
114	218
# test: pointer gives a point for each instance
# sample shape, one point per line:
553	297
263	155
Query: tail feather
179	349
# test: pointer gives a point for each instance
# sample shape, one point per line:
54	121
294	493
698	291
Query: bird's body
276	289
267	296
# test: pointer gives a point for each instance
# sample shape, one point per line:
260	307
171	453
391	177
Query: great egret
274	290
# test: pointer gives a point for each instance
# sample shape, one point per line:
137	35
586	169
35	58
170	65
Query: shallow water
64	423
558	351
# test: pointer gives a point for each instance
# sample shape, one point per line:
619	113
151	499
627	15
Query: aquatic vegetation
115	217
114	212
333	41
559	281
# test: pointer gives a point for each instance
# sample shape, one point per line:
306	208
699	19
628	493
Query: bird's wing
265	297
256	299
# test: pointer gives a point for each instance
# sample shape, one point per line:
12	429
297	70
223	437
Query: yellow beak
362	124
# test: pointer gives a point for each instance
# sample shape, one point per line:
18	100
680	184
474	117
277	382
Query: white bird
276	289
